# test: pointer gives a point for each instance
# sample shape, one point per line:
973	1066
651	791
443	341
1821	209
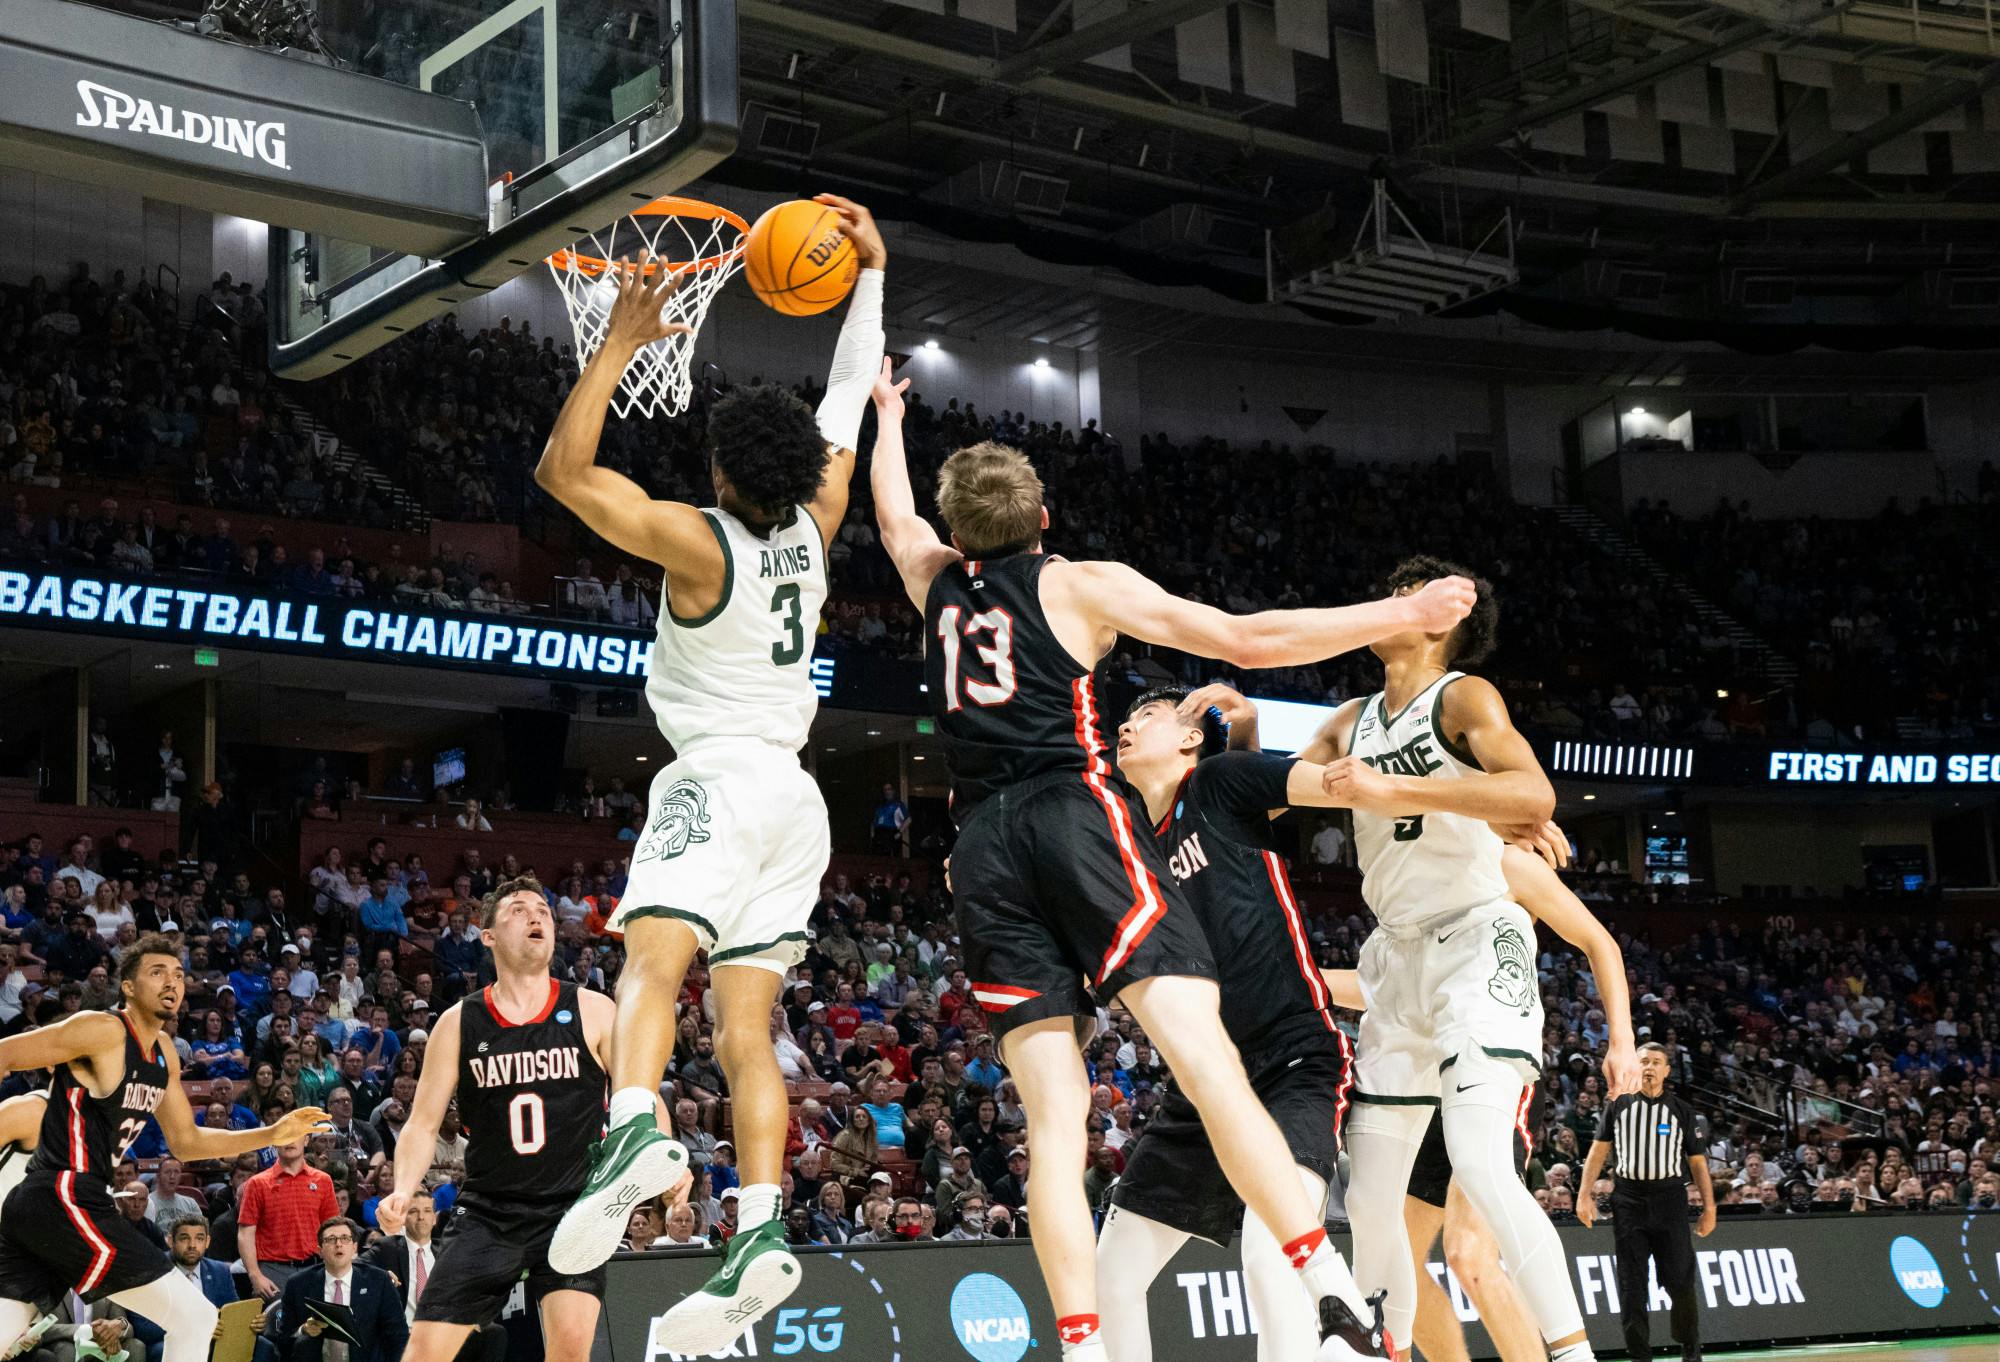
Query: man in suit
380	1331
188	1240
409	1259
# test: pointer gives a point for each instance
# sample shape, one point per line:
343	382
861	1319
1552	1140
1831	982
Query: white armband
857	360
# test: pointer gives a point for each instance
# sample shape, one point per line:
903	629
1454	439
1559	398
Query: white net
703	245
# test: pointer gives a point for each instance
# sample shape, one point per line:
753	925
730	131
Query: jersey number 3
790	648
997	655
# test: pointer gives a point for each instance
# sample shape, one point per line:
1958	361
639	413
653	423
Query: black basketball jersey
1011	702
1217	842
86	1134
531	1098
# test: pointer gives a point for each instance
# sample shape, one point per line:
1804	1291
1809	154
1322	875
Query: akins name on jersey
788	560
527	1066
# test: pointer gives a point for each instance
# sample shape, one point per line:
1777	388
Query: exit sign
927	726
207	657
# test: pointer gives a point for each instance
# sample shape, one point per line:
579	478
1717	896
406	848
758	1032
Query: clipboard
235	1340
338	1319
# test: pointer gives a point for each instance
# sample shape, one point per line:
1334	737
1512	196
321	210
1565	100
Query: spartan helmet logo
680	819
1513	981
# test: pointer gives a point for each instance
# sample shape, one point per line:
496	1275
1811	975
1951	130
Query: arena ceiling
1667	166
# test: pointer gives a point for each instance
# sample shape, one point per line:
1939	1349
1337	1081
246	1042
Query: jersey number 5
527	1124
998	655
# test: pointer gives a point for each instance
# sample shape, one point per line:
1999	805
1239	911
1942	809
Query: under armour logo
1300	1255
482	1047
1076	1333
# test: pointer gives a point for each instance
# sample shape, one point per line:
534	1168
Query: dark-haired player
1057	892
1437	1202
59	1229
527	1058
736	839
1212	818
1454	1019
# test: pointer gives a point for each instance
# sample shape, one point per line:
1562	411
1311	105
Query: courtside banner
1782	1279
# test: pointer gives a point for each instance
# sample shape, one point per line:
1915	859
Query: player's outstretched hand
677	1194
1621	1071
888	393
636	320
298	1123
857	224
1225	700
390	1210
1544	839
1438	606
1351	783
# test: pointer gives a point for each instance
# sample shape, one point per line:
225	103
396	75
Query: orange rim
666	207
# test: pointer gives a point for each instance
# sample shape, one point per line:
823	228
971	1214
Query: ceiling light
1638	411
642	758
1042	362
874	732
1721	694
916	758
930	345
1590	796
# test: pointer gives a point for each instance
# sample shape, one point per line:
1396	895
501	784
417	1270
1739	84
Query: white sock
629	1102
1578	1351
1090	1350
757	1203
1325	1274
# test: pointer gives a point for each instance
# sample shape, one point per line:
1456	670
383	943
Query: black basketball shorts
1060	893
62	1232
1430	1176
1172	1174
481	1257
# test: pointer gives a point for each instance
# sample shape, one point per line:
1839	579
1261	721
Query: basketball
797	261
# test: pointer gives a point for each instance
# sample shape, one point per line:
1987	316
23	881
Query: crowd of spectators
1891	618
1884	616
1831	1065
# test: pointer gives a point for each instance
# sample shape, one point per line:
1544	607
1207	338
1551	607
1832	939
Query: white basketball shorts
1454	989
735	845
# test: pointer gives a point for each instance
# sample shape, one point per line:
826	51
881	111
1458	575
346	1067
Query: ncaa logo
1917	1272
990	1320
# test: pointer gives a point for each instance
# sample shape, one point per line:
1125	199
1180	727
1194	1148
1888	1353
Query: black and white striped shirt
1648	1137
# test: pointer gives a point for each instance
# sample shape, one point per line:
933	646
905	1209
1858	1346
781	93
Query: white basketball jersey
1426	866
744	669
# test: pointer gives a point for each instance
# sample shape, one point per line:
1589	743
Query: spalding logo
1917	1272
990	1320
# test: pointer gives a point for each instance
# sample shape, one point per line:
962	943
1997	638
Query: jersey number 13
955	628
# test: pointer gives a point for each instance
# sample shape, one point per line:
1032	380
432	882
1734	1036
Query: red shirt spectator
282	1209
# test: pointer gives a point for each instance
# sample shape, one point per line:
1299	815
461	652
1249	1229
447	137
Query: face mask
911	1231
975	1220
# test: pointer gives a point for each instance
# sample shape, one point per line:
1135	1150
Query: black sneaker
1343	1338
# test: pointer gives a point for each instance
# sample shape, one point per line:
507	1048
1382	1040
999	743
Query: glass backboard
587	107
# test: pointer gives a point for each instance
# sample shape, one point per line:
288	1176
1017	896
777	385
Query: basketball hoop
699	241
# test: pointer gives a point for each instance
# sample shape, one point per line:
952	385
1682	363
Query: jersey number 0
997	655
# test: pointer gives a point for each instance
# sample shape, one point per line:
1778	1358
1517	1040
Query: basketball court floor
1972	1348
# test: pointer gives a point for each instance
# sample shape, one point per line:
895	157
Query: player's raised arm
1509	786
1538	889
912	545
670	533
436	1083
190	1142
856	356
1118	600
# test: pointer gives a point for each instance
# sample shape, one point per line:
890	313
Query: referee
1645	1135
